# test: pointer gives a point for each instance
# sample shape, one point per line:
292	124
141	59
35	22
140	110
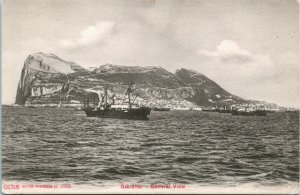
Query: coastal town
122	101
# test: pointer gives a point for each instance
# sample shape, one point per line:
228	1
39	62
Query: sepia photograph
150	96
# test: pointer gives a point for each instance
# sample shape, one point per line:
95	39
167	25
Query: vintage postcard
150	96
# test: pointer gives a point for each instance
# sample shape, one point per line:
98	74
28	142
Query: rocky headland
48	80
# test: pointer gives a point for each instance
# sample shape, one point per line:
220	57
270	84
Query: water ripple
172	147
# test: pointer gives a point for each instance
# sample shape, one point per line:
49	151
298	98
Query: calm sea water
186	147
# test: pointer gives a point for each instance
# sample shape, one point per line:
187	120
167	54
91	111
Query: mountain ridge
47	79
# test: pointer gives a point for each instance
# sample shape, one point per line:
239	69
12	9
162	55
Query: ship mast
113	99
128	93
129	90
105	95
100	101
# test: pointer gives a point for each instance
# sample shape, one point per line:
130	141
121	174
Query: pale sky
249	47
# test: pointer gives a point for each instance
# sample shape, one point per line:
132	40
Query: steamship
106	110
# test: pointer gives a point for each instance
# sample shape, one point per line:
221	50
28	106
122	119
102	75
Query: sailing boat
59	105
108	111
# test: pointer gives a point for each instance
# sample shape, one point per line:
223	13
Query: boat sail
59	105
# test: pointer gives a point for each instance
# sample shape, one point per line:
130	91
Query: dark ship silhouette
250	113
109	111
161	109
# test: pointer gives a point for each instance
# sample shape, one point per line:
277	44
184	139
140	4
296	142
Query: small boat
59	105
31	107
292	111
160	109
181	108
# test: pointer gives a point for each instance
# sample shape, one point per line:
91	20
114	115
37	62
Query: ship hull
210	110
161	109
251	113
291	111
132	114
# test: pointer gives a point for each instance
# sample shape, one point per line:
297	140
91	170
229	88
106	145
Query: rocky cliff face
206	91
43	74
48	80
